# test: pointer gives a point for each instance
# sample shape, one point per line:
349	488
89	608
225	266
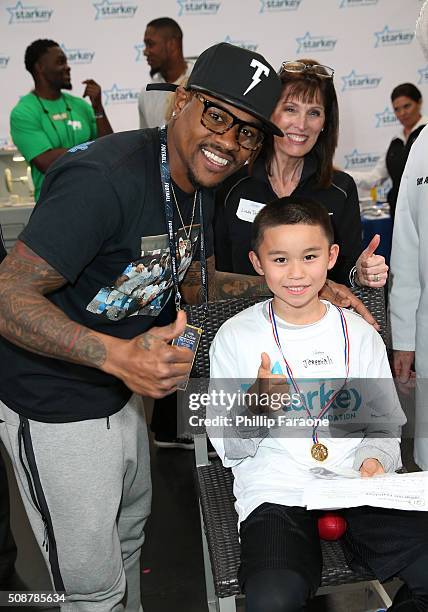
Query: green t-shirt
37	125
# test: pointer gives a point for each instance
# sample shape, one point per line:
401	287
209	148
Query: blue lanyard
169	217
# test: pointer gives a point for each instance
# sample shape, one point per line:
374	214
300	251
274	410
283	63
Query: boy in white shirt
320	358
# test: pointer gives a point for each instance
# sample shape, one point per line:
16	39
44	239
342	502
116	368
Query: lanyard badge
191	335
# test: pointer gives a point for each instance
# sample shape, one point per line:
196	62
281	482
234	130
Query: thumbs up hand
272	390
148	364
372	270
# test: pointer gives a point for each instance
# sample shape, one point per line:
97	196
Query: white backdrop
369	43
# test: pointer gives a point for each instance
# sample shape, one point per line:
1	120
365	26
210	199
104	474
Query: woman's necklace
319	451
285	189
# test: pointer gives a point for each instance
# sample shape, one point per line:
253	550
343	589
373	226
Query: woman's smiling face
301	123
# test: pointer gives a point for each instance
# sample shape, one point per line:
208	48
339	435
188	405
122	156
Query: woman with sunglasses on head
299	163
406	101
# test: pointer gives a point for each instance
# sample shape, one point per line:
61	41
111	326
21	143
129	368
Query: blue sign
388	38
272	6
354	3
245	44
78	56
386	119
308	43
360	81
116	9
4	61
120	95
357	160
198	7
29	14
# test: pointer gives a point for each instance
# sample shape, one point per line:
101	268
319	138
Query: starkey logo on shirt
4	61
421	180
120	95
114	9
360	81
423	75
357	160
386	118
244	44
272	6
388	37
78	56
356	3
198	7
29	14
318	43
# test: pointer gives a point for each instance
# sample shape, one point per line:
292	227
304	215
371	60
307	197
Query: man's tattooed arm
221	285
230	285
30	321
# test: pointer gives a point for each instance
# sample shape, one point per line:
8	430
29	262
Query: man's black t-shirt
100	223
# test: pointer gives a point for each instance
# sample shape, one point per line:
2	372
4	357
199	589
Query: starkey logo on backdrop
244	44
4	61
388	37
309	43
272	6
78	56
114	9
198	7
29	14
423	75
139	47
357	160
360	81
386	118
356	3
120	95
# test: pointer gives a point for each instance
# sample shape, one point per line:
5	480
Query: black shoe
162	441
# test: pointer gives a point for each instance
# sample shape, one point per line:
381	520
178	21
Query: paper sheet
402	491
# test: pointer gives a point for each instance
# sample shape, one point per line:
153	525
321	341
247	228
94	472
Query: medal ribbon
326	406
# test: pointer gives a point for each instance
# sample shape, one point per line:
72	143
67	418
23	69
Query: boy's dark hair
291	211
35	51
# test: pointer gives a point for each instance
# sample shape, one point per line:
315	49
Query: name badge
189	339
248	209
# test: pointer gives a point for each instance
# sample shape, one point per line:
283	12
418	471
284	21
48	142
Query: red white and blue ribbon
326	406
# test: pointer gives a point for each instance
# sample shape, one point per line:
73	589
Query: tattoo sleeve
32	322
230	285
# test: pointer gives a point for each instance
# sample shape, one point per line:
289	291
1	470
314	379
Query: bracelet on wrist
353	277
99	115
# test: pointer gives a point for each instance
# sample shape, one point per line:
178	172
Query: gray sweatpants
86	489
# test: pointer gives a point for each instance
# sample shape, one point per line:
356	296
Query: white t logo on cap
260	69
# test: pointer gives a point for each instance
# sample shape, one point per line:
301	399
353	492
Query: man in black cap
81	342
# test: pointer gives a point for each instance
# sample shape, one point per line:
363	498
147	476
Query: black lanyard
169	216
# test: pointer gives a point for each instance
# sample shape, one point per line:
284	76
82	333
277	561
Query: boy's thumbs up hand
372	270
268	384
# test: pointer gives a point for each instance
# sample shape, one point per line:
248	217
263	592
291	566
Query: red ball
331	526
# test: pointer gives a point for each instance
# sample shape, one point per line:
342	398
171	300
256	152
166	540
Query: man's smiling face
198	156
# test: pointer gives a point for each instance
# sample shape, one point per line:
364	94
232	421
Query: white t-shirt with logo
278	471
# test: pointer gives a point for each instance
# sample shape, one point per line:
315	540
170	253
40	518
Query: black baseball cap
237	76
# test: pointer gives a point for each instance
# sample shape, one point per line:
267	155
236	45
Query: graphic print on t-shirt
142	288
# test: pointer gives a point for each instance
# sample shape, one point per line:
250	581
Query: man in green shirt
47	122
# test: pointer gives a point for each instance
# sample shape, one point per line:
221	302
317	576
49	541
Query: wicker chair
218	516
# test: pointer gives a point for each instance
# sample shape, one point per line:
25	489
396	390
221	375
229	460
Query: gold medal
319	451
